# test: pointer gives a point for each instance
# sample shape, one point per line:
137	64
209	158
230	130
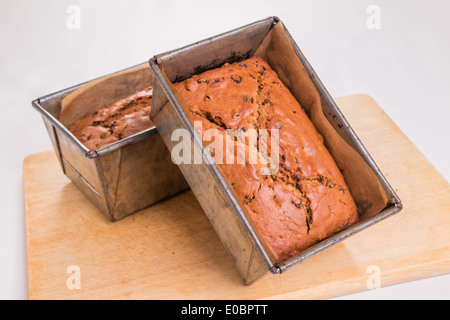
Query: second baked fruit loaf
115	122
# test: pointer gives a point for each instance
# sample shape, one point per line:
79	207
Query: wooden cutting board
170	251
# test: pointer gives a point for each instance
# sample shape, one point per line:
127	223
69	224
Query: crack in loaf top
307	200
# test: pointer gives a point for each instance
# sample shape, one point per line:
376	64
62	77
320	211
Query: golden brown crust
307	200
117	121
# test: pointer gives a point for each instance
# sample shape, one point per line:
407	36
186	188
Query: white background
404	66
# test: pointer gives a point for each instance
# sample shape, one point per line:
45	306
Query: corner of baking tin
36	104
156	61
153	61
92	154
394	200
399	205
275	270
275	20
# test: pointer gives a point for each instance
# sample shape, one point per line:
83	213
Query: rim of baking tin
113	147
394	204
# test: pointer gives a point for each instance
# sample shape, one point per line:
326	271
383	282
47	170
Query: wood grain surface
170	251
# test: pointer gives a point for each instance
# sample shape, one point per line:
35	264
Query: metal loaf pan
215	196
121	178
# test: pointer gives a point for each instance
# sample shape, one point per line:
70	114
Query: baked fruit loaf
307	200
115	122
